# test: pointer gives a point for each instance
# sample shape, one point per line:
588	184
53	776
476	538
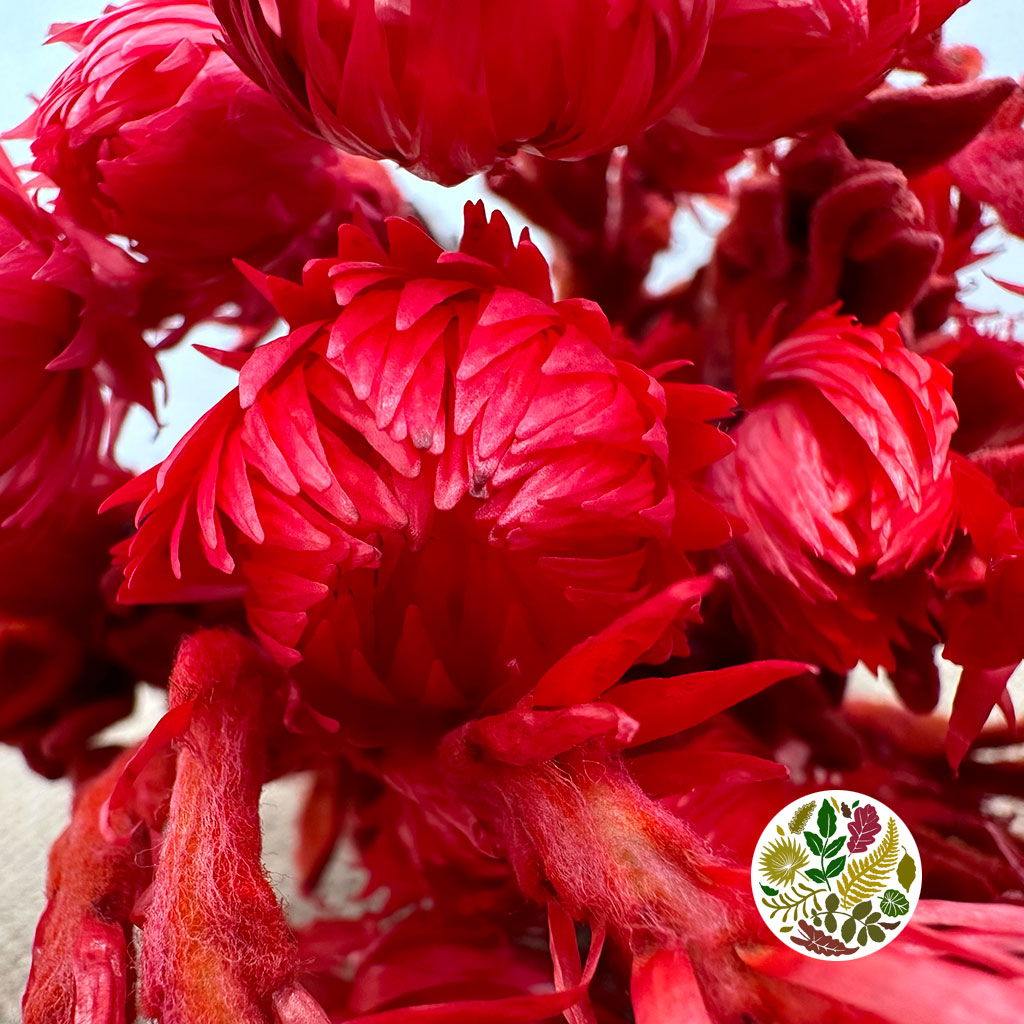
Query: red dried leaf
821	942
863	829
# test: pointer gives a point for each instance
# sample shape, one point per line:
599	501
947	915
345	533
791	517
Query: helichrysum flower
842	475
775	69
152	133
72	358
448	89
440	468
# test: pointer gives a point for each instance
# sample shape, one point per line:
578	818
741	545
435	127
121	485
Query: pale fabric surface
32	814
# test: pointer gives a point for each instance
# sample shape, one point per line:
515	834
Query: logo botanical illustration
836	875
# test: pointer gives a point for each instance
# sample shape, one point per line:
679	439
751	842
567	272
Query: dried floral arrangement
546	582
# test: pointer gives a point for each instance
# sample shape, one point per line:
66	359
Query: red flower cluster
72	354
839	543
152	133
551	591
567	78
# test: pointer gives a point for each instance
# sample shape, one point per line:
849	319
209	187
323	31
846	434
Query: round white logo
836	875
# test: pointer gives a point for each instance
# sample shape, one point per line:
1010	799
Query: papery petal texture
447	87
436	428
842	474
774	69
71	355
153	133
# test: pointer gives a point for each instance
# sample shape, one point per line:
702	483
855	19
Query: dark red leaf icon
863	829
821	942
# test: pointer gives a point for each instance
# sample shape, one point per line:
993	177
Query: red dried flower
60	684
153	133
448	89
70	656
774	69
842	474
66	333
436	485
457	516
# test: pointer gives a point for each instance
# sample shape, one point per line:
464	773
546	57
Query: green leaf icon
813	840
906	871
849	927
894	903
876	933
835	867
826	820
768	891
862	937
834	847
814	875
830	923
831	902
862	909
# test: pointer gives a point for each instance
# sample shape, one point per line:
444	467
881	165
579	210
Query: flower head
842	475
775	69
153	133
447	90
437	483
67	300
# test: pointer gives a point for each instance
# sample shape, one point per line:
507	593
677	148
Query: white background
32	811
